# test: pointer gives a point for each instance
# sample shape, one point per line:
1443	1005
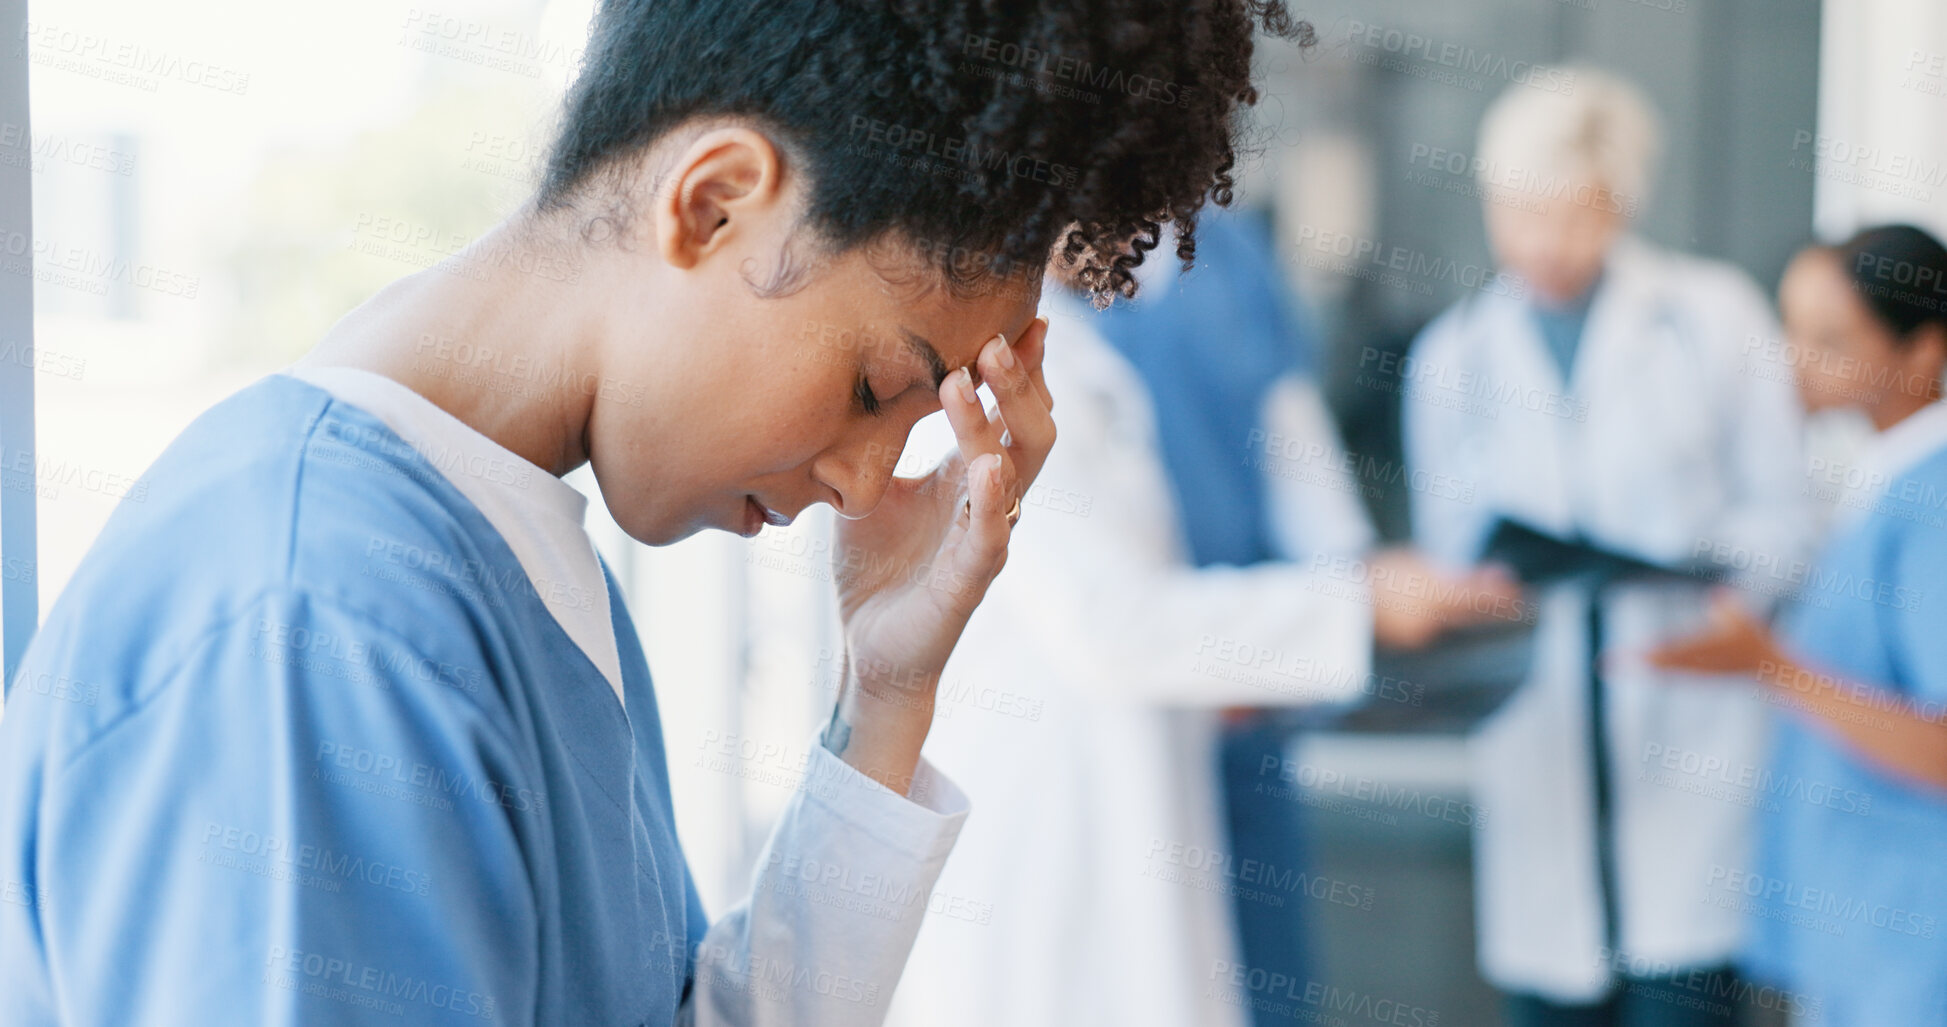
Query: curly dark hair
1011	130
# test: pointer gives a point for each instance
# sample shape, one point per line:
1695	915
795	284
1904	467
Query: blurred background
215	182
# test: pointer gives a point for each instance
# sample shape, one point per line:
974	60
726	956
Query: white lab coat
1674	430
1099	753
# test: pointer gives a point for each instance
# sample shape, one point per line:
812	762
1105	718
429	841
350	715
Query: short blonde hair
1600	127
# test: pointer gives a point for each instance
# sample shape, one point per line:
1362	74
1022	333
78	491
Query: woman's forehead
954	322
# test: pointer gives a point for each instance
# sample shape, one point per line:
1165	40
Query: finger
1031	348
982	548
1667	656
1495	570
1493	581
1727	609
1691	656
973	430
975	434
1030	426
1725	618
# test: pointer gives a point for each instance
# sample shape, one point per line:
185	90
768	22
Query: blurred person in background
1858	668
1617	405
1207	402
1197	544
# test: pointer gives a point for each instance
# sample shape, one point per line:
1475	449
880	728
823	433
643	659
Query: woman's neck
501	335
1898	404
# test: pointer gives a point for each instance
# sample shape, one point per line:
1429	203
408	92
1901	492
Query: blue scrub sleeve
304	823
1920	650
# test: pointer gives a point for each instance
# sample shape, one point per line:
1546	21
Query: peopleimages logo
1065	68
358	983
1356	253
1425	57
1838	909
954	150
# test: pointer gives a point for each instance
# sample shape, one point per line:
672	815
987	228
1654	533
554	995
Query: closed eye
866	400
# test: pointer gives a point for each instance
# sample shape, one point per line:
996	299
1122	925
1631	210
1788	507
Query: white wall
1880	148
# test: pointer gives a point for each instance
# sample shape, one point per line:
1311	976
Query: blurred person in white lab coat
1624	401
1101	890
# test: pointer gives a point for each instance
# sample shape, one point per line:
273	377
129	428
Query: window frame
19	582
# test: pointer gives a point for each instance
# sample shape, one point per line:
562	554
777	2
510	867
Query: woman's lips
759	515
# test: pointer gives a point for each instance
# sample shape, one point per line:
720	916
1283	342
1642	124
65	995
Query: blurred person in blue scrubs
1848	891
1209	399
1198	543
1616	405
344	720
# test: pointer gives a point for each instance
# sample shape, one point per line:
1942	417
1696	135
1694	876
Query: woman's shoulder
1915	500
1455	331
1691	277
279	474
281	489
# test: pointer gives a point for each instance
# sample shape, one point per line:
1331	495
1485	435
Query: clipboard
1467	673
1538	558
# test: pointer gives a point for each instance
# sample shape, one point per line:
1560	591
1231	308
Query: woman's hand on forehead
911	573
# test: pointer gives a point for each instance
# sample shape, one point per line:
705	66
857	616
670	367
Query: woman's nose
861	476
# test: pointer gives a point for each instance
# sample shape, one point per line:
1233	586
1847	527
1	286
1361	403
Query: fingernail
967	385
1006	355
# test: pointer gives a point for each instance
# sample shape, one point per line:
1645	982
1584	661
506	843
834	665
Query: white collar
1899	448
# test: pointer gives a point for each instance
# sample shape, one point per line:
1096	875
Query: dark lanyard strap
1604	789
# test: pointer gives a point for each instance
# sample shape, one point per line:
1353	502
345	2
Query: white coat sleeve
835	903
1311	483
1099	571
1440	440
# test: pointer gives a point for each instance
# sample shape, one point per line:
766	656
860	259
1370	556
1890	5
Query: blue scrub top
1849	892
300	743
1209	345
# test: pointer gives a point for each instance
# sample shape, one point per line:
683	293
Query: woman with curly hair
368	734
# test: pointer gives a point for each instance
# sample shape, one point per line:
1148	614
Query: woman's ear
725	184
1925	354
